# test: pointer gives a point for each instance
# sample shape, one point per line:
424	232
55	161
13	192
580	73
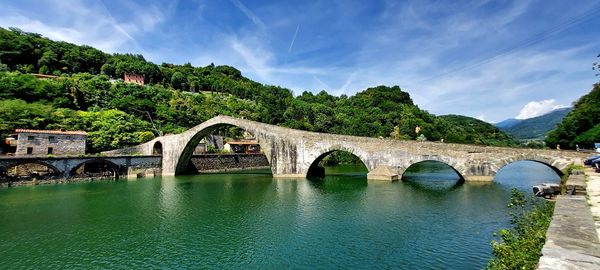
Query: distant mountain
507	123
533	128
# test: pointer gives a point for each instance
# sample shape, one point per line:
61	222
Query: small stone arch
114	168
313	167
541	160
186	154
6	170
157	149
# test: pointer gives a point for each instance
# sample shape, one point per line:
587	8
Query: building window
30	138
51	139
29	150
50	150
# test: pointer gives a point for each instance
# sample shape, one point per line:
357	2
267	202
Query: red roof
243	142
64	132
44	76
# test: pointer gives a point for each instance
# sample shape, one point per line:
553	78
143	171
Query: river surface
252	221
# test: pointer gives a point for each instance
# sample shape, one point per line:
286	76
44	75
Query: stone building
245	146
50	142
134	78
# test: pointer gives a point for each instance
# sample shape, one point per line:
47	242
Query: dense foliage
90	95
520	246
580	126
462	129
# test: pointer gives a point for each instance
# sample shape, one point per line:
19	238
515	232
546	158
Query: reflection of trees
432	175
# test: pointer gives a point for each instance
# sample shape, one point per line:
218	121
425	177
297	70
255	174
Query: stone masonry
228	162
66	167
291	153
50	142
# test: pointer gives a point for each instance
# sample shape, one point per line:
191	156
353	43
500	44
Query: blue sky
487	59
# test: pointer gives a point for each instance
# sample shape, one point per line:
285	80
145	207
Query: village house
48	142
134	78
244	146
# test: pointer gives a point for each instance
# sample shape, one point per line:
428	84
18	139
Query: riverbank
593	191
572	238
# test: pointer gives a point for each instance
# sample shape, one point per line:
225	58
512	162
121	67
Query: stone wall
40	143
227	162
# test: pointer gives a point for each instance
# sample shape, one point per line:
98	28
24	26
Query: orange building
134	78
248	147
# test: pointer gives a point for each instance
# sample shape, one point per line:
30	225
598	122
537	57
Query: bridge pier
478	178
384	173
289	176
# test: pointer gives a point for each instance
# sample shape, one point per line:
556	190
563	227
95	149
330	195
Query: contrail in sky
294	39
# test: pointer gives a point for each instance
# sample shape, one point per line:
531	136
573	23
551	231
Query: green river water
251	221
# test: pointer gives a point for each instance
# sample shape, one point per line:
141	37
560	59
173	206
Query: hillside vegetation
581	126
89	95
464	129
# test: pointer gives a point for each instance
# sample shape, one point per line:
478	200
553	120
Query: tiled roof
64	132
44	76
243	142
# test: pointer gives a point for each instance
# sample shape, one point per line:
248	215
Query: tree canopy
580	126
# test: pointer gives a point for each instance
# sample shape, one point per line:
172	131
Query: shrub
520	247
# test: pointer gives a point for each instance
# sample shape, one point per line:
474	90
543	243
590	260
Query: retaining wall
227	162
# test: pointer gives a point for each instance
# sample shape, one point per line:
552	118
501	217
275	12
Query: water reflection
432	175
241	220
525	174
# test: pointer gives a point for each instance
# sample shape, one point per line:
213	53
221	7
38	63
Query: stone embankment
572	237
228	162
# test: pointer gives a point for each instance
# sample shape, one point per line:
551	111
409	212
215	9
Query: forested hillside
535	128
90	95
464	129
581	126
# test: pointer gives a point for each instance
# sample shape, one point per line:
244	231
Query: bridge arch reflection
526	173
317	166
546	162
433	174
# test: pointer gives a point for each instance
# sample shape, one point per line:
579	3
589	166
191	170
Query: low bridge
66	167
295	153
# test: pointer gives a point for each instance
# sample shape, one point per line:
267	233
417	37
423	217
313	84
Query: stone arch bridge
293	153
65	167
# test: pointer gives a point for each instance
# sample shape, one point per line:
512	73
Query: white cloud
537	108
87	23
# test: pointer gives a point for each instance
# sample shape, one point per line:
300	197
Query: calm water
253	221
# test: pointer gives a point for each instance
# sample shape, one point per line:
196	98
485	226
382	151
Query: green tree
111	129
584	116
521	245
